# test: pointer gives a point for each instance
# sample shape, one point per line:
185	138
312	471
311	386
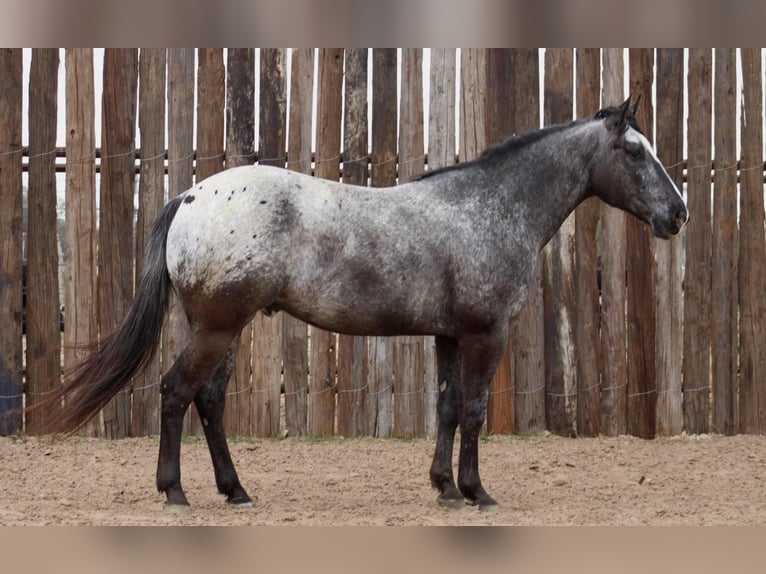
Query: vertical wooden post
267	331
441	152
725	311
527	331
240	150
210	124
382	174
500	112
321	409
408	355
80	255
586	348
613	376
697	302
294	331
642	385
558	266
473	90
42	282
211	90
115	250
670	106
352	351
152	62
752	251
473	104
10	240
180	178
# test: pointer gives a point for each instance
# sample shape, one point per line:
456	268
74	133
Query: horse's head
627	174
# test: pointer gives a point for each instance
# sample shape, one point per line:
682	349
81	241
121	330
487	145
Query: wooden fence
622	333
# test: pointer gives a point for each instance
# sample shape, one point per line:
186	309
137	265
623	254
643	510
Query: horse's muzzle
666	228
682	218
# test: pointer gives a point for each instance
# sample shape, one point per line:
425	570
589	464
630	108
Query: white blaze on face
634	136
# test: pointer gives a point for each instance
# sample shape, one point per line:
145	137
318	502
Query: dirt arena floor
540	480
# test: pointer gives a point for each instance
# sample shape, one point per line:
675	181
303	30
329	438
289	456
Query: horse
449	254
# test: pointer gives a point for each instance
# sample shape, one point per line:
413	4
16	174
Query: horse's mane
509	146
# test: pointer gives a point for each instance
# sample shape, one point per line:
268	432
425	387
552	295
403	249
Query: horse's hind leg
210	401
448	410
192	369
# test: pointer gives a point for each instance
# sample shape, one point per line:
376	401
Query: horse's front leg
448	410
480	355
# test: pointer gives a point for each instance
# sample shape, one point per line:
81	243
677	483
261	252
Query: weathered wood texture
352	351
613	253
725	268
211	97
698	234
558	266
180	178
152	64
640	272
210	145
669	316
441	152
527	333
240	150
499	92
752	251
43	352
322	360
10	240
409	384
115	243
267	331
80	329
382	173
586	320
295	332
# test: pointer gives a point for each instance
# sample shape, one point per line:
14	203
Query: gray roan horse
449	254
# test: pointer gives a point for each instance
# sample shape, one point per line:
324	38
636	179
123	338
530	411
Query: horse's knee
474	412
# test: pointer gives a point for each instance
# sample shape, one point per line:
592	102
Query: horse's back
346	258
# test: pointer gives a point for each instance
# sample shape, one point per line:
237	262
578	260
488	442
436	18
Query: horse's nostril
682	216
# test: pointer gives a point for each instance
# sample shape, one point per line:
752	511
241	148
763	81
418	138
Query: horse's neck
547	179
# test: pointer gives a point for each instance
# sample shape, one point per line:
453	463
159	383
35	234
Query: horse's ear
623	111
616	121
634	107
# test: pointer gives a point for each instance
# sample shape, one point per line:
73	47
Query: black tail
124	353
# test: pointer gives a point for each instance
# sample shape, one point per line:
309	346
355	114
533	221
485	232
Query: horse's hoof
483	503
241	500
488	507
177	509
451	503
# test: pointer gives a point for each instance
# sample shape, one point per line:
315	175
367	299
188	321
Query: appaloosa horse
449	254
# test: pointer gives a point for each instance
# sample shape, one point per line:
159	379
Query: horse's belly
356	318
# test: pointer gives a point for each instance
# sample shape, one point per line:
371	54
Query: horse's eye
633	149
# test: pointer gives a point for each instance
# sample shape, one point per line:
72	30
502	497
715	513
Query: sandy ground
540	480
